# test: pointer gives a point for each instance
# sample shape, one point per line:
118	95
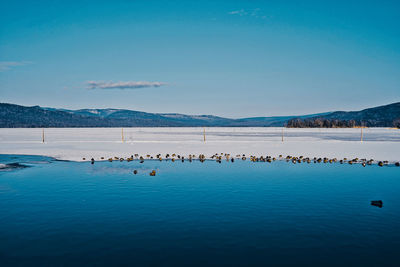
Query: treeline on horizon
335	123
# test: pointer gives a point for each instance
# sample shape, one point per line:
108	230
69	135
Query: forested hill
14	116
382	116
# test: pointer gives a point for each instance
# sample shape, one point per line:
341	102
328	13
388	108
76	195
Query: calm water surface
58	213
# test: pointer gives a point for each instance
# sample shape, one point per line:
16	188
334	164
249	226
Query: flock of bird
219	157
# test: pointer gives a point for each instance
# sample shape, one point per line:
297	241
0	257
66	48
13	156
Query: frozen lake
76	143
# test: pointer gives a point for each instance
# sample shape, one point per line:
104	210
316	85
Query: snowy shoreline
380	144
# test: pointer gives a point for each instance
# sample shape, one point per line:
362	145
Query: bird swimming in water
377	203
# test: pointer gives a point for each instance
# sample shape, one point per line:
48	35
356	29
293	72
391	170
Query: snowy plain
78	143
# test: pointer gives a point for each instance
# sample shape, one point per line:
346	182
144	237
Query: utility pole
122	134
42	135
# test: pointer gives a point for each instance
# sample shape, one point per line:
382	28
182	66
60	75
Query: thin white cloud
240	12
7	65
123	85
255	12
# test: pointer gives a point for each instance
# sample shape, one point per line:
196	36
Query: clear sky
227	58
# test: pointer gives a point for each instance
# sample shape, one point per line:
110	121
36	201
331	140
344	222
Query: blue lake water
57	213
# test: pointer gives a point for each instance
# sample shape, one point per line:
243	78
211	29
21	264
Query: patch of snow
176	116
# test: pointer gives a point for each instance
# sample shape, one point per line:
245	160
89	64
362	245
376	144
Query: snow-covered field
77	143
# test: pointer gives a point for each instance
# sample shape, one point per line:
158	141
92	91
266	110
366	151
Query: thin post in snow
42	135
122	135
204	134
282	133
361	138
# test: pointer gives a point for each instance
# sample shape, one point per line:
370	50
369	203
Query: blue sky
227	58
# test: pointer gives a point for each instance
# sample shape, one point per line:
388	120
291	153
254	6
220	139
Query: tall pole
282	133
122	134
361	133
204	134
42	135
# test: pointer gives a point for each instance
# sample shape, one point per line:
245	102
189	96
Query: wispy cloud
123	85
240	12
255	12
7	65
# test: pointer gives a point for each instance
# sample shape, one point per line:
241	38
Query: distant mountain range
16	116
